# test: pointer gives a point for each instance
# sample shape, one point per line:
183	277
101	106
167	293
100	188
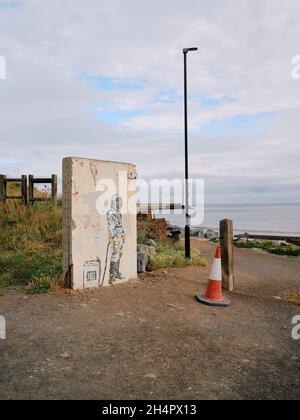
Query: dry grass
169	254
30	243
31	246
294	298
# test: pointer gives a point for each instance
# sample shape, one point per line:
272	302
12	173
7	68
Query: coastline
255	219
196	229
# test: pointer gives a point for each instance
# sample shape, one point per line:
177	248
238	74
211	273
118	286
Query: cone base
225	303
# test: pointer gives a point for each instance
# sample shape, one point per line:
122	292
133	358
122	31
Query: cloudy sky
103	79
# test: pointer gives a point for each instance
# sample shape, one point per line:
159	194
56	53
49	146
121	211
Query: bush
287	251
269	246
42	284
155	229
172	255
248	244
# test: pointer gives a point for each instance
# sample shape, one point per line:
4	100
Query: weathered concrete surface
99	244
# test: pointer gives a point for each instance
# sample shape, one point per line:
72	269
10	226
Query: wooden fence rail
27	188
4	186
33	181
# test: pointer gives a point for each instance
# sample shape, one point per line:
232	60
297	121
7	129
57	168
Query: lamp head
186	50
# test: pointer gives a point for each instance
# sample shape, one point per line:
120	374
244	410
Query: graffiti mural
114	251
116	238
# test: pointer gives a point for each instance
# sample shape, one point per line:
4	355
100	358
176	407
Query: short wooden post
149	214
54	187
226	236
24	190
3	186
31	190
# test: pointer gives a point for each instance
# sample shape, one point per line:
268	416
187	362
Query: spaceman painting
116	238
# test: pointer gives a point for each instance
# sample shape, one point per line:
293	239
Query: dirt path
258	273
152	340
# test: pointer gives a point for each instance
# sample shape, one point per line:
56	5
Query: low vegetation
30	246
271	247
169	254
294	298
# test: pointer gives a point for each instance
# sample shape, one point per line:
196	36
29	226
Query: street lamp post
187	204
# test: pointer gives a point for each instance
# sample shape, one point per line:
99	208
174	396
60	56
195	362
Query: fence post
24	190
54	187
31	190
226	236
3	185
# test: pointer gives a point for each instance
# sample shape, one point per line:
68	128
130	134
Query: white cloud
245	53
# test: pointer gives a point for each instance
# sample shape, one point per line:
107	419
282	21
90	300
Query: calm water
252	218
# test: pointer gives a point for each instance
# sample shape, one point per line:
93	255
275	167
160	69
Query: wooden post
3	186
149	214
31	190
54	187
24	190
226	236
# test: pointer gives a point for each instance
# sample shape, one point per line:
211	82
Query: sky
104	79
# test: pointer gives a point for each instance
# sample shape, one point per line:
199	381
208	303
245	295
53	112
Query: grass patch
289	251
215	241
42	284
173	255
294	298
168	253
30	244
5	281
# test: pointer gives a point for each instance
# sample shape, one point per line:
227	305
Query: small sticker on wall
91	274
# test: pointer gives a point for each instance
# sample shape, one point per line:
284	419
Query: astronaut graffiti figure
116	238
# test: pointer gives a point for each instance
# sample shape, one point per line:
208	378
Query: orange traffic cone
214	295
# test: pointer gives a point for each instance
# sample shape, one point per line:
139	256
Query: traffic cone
214	295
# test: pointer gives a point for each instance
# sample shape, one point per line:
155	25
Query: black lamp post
187	204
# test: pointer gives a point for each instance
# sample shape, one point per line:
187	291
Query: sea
273	219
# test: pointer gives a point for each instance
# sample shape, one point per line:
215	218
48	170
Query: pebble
65	355
151	376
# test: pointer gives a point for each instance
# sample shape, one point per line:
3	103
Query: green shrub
5	281
22	266
42	284
215	241
172	255
287	251
270	247
267	245
142	239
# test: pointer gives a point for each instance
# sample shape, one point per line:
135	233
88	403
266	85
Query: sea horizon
256	218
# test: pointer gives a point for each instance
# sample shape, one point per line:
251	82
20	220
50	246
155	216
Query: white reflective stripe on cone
216	272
